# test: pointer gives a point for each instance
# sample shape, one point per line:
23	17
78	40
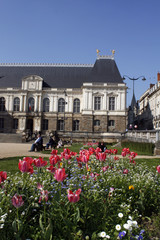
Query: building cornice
44	65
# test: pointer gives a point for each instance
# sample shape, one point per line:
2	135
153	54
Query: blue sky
70	31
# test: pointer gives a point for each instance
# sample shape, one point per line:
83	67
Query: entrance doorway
30	124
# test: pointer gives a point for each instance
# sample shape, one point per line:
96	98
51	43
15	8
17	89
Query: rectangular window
96	122
1	123
112	103
97	103
111	123
60	125
15	123
45	124
76	125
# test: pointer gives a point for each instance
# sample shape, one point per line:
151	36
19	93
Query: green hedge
146	148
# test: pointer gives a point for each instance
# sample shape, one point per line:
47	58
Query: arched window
61	105
76	105
2	104
31	104
16	104
46	105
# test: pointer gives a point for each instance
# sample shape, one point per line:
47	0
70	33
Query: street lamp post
134	79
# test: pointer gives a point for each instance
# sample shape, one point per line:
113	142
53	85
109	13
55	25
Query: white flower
126	226
107	236
130	217
1	225
129	222
134	224
118	227
102	234
120	215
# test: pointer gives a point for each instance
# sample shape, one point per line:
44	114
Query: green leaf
40	223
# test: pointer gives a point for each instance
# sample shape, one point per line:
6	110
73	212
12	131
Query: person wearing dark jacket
38	142
51	143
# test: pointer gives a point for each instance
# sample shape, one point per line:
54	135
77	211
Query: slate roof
61	76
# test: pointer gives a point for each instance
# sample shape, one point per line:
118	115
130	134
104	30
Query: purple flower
122	234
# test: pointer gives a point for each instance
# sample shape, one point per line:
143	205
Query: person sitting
38	144
102	146
60	143
51	143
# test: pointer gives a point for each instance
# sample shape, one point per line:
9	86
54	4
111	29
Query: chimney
158	77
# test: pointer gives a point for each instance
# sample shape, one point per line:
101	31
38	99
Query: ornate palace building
76	100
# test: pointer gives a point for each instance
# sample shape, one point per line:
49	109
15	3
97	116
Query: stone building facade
74	100
149	102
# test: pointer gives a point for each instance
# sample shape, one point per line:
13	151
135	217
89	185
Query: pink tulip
105	168
158	168
17	201
25	166
125	171
74	197
44	196
3	176
101	156
60	174
38	162
123	154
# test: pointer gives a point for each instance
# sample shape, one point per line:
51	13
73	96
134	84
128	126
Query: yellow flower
61	164
131	187
89	169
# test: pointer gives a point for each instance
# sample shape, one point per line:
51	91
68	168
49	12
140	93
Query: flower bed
90	195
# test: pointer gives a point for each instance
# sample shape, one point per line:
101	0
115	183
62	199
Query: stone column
11	103
90	100
36	104
25	103
51	106
40	103
21	103
55	104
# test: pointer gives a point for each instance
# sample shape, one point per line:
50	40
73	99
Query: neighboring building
67	98
149	114
132	114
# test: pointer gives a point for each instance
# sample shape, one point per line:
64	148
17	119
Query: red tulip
74	197
158	168
60	174
123	154
3	176
114	151
101	156
25	166
38	162
125	171
54	159
54	152
116	158
17	201
51	169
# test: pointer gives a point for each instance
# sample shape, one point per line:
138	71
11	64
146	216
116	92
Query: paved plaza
18	149
22	149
